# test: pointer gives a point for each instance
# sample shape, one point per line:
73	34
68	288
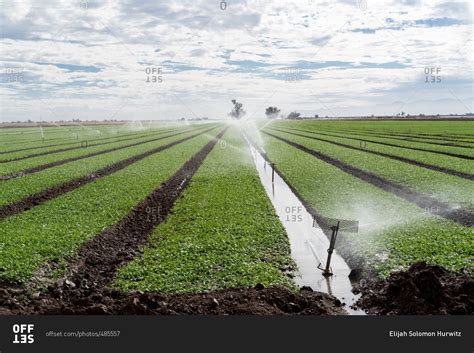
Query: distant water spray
250	127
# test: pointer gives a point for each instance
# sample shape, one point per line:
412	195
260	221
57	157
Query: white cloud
353	59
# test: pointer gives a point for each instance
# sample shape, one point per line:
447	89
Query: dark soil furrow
456	214
84	290
462	156
275	300
67	160
51	193
422	289
391	156
71	148
99	258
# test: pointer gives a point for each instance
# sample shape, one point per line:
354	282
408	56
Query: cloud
279	52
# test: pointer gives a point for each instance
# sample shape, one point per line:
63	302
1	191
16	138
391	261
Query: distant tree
237	112
272	112
293	115
316	116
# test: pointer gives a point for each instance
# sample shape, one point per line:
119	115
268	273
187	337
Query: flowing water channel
308	244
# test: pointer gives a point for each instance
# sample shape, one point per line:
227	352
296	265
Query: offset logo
23	333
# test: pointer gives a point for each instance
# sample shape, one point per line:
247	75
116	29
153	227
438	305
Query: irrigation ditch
422	289
308	244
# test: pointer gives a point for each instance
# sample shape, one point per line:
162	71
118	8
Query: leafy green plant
223	233
56	229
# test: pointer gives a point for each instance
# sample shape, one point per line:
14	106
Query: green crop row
393	233
314	126
459	145
456	164
463	141
53	231
428	139
462	128
17	166
16	189
223	232
444	187
25	136
11	139
105	141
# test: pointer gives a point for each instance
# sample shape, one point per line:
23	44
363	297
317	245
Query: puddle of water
308	244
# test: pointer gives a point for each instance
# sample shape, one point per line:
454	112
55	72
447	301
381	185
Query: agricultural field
114	218
411	205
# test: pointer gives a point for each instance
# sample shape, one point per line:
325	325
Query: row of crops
408	184
411	193
221	233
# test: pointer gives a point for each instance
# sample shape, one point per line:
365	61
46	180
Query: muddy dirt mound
421	290
275	300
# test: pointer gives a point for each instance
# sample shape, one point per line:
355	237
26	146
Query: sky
142	60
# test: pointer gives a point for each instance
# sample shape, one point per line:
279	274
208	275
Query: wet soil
51	193
459	215
391	156
241	301
98	260
421	290
84	290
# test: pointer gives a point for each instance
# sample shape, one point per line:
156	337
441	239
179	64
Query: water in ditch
308	244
